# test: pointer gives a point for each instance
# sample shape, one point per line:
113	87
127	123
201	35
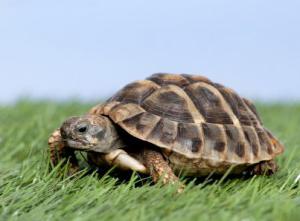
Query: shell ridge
272	141
133	116
243	144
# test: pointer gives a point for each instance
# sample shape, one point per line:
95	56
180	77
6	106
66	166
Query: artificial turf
28	191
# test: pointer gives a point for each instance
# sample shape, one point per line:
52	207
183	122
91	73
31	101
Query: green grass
29	192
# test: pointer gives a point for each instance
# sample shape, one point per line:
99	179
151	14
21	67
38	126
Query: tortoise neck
116	142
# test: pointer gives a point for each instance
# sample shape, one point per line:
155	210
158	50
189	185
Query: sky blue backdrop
66	48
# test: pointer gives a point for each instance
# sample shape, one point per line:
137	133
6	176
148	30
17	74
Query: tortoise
171	124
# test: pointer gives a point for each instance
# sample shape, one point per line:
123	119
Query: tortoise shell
197	123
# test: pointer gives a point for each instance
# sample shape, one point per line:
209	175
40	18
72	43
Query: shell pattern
199	124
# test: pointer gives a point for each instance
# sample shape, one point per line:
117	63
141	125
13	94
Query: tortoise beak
77	145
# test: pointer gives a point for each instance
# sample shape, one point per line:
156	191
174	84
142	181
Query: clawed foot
264	168
59	151
160	170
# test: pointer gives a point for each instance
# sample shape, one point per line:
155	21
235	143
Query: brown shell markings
194	118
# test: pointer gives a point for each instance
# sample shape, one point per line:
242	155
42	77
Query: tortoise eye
82	129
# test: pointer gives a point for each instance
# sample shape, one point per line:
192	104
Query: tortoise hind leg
264	168
159	168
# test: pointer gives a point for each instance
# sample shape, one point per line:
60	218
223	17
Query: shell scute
164	132
164	79
194	118
135	92
190	137
209	104
168	103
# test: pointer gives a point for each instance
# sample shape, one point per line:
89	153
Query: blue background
89	49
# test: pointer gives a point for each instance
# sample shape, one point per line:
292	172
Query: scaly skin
120	158
59	151
153	160
159	169
264	168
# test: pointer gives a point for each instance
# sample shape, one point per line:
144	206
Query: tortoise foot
264	168
160	170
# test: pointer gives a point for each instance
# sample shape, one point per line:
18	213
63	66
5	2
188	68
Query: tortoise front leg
119	158
59	151
159	168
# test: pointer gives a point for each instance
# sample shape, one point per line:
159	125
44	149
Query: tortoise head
90	133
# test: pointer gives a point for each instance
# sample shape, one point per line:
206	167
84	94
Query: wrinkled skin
91	133
97	135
